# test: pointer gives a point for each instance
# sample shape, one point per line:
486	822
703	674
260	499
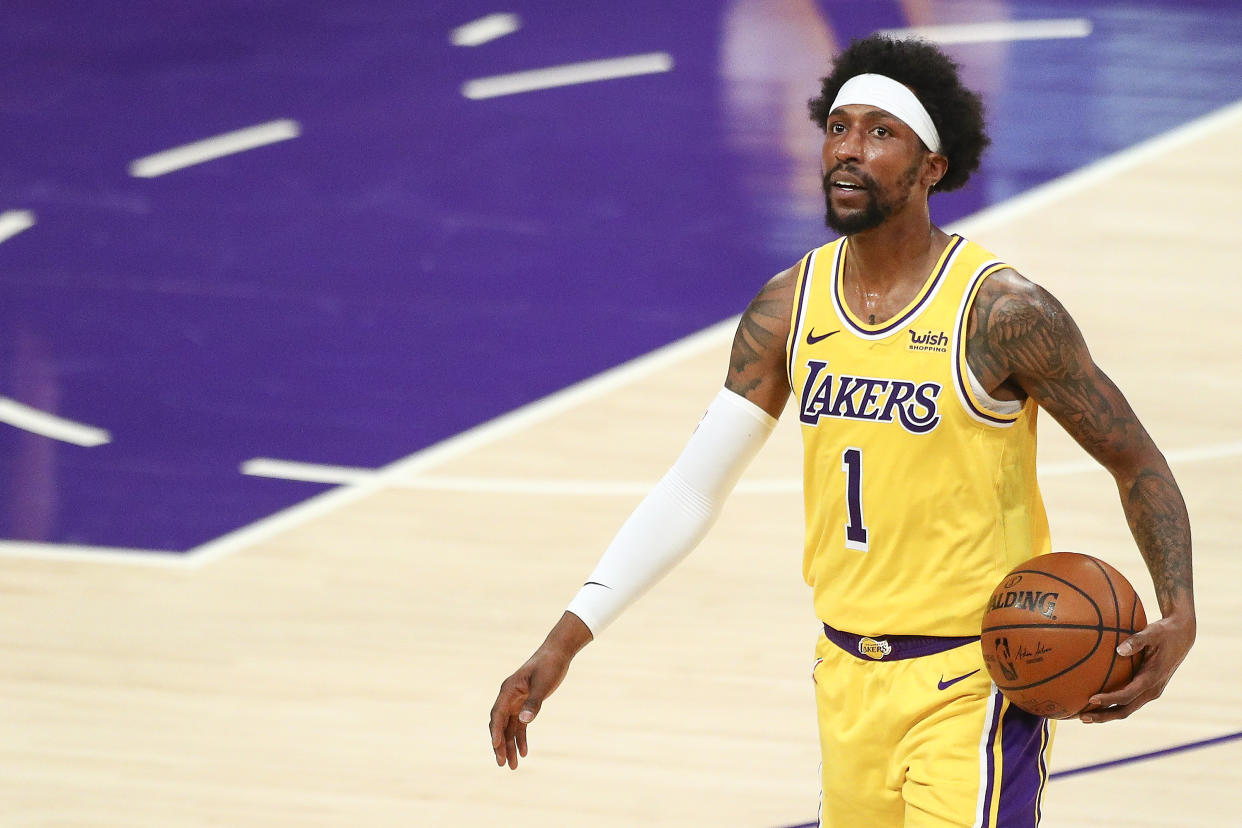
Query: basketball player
911	355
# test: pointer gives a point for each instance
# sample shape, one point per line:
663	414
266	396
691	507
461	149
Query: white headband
894	98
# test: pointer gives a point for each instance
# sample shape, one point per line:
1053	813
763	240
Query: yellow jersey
920	489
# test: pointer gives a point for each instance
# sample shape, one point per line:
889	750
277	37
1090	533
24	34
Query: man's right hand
522	694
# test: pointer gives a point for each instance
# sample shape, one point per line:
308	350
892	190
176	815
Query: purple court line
1139	757
1125	760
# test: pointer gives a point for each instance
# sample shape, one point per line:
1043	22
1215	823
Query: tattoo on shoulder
1017	328
760	335
1022	334
1020	329
988	366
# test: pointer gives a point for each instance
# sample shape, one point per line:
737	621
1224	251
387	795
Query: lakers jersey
920	489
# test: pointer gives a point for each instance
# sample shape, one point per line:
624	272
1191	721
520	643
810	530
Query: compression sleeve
677	513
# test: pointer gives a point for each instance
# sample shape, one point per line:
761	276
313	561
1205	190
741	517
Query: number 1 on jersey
855	528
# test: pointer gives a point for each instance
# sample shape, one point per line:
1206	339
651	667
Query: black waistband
893	647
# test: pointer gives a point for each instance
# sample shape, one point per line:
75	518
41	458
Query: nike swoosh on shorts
942	684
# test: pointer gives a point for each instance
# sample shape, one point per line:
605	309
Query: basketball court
305	444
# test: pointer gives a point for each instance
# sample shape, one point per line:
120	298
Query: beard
881	203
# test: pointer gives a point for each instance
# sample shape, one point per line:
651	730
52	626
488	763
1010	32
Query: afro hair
956	111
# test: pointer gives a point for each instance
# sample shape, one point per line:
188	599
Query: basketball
1051	631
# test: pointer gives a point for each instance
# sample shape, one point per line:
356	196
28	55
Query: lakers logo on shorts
873	648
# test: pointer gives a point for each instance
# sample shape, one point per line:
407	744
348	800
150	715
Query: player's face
872	163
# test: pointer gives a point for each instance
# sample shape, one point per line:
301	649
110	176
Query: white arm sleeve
675	516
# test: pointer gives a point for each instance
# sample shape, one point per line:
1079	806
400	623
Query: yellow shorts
912	739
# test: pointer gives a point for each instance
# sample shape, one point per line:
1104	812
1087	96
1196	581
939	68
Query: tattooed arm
1022	342
757	361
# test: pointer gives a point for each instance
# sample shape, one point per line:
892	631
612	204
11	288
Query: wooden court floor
340	672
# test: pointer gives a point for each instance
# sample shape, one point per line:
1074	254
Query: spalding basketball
1051	631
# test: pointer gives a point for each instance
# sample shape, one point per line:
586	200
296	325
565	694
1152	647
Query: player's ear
935	167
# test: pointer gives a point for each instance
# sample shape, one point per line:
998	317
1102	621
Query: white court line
485	29
518	485
594	387
13	222
1219	451
344	475
567	74
92	554
214	147
289	470
1081	179
50	425
999	31
305	472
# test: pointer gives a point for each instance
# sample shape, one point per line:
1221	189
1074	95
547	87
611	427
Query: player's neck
900	252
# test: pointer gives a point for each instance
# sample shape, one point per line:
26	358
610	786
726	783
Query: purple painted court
416	262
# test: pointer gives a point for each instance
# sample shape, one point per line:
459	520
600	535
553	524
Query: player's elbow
1128	464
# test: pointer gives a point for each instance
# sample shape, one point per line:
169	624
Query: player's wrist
1178	608
568	637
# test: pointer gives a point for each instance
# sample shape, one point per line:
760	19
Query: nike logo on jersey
597	583
811	338
942	684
